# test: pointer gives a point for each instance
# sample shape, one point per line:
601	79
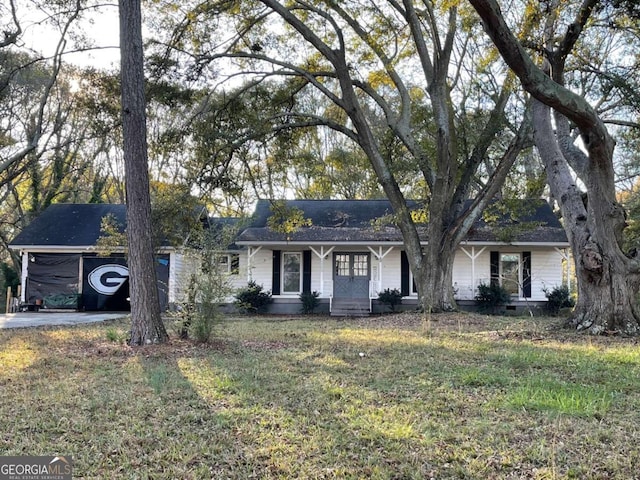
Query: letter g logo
107	279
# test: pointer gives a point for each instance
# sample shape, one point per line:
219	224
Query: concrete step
350	307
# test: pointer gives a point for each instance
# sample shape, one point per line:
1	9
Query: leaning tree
608	279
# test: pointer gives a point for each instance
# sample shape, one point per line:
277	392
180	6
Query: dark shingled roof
73	225
78	225
352	221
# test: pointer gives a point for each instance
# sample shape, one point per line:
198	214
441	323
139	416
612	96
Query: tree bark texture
146	321
607	279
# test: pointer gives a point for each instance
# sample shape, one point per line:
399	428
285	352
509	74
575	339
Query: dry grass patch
396	396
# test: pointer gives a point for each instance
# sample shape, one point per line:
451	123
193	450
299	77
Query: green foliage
176	218
390	297
8	277
309	301
208	288
558	298
116	336
491	296
176	215
112	235
506	217
286	220
212	290
253	299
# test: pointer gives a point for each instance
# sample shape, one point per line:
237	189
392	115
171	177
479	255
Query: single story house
342	249
346	254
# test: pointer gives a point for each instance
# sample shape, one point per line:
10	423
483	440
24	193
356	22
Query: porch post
379	256
473	255
25	274
322	255
250	254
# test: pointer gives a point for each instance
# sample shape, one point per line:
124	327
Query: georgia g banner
105	284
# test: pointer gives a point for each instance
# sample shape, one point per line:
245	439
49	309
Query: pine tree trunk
146	321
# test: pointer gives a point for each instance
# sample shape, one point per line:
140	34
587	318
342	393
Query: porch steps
350	307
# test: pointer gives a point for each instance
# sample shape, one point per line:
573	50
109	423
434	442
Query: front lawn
451	397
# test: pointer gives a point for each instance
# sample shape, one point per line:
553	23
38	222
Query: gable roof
74	226
352	221
68	225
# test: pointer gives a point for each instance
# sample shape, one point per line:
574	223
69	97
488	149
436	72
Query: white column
25	273
322	255
473	256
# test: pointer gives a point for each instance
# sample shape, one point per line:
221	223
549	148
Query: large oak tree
608	279
398	82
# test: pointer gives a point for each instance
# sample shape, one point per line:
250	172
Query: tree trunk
607	280
146	322
434	280
605	276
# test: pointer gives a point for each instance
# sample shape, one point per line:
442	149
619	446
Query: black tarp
52	276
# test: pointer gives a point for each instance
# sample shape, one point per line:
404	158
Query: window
510	273
291	272
342	265
360	265
229	263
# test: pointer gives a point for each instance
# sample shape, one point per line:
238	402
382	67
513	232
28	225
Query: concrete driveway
37	319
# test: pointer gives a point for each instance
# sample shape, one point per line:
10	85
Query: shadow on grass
321	400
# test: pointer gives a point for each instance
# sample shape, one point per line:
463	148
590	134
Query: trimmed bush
558	298
309	301
390	297
253	299
491	296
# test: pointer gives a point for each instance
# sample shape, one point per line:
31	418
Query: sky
101	27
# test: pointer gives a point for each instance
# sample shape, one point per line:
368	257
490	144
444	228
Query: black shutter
494	258
404	274
306	271
275	278
526	274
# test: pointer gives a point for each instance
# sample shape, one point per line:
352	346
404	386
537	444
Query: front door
351	275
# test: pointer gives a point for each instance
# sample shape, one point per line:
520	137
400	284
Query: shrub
252	298
200	313
491	296
390	297
309	301
558	298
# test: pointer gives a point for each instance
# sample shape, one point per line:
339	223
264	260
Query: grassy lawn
460	396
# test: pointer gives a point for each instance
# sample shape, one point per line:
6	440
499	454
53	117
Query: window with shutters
510	277
291	272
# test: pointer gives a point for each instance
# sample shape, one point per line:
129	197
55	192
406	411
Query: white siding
261	266
391	277
546	269
546	272
177	276
465	276
183	264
